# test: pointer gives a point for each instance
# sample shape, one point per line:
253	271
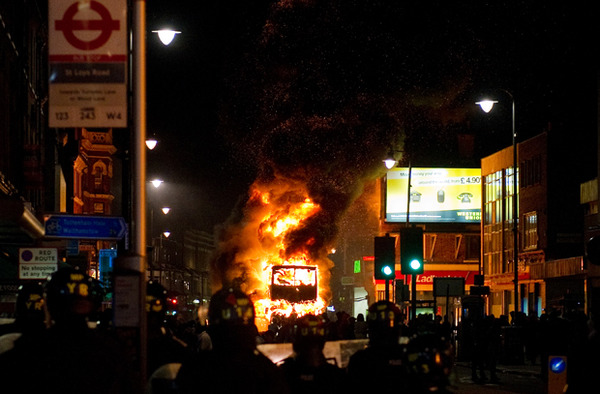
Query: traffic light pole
413	284
387	289
413	297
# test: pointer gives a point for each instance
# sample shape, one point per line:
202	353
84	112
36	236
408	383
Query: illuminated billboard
438	195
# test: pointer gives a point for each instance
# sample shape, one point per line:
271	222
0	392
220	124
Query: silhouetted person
30	315
166	351
163	346
307	370
234	365
532	338
69	357
360	327
480	343
493	339
382	366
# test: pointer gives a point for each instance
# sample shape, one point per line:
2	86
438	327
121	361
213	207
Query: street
511	381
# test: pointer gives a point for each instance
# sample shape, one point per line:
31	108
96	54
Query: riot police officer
166	351
30	315
307	370
234	364
164	347
69	357
382	365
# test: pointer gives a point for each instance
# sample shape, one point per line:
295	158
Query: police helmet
384	313
231	321
384	320
30	301
71	291
230	307
309	331
310	326
156	298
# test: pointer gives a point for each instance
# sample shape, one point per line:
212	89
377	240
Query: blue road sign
85	227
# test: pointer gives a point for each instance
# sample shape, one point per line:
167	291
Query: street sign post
85	227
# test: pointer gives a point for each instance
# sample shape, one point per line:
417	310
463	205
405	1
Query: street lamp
151	142
389	161
156	183
486	106
166	36
164	210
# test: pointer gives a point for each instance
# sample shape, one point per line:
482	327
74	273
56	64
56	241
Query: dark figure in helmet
30	315
307	370
68	357
381	367
234	365
166	352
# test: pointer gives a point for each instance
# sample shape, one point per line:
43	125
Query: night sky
253	87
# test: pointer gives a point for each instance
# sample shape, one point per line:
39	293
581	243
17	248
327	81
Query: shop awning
17	224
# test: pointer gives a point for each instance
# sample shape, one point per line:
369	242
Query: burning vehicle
276	256
294	283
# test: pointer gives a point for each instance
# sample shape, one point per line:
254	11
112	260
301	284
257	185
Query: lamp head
486	105
166	36
151	143
389	161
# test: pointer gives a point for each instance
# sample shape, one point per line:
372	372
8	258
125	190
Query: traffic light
385	257
411	250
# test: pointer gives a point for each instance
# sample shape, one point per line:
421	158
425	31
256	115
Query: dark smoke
319	101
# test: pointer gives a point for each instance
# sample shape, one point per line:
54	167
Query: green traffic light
415	264
387	270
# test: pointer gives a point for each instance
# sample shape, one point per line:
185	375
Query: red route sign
68	25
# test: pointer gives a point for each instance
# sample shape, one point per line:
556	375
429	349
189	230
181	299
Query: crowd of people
52	347
66	355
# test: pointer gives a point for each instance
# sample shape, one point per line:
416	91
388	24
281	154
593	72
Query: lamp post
164	210
138	262
390	162
486	106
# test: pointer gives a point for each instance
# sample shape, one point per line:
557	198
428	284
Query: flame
282	215
278	252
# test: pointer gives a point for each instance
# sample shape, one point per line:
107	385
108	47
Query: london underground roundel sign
87	62
69	25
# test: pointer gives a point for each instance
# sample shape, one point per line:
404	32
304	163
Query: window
473	246
530	231
99	173
531	173
493	223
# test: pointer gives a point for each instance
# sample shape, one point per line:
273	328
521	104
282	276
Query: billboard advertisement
437	195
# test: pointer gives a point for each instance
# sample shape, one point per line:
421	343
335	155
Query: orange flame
281	227
278	222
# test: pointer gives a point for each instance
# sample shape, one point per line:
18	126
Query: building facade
29	179
551	270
